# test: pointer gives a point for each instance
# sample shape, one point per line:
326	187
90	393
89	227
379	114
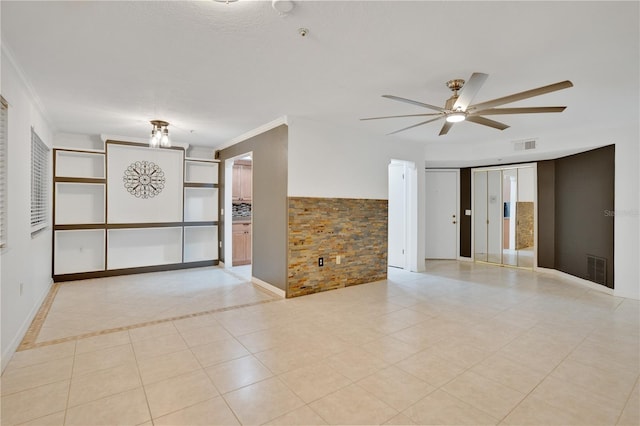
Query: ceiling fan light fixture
456	117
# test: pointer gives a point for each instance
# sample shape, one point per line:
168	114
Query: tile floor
461	344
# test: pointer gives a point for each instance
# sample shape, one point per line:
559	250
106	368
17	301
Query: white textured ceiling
216	70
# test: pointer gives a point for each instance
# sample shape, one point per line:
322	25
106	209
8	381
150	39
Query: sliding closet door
524	217
494	216
480	216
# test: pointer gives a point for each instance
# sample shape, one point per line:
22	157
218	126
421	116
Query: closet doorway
504	222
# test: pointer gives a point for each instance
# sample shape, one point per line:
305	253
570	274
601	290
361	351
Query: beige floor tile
535	412
34	403
356	364
40	355
400	419
609	382
441	408
485	394
103	358
581	403
55	419
203	335
631	412
300	416
509	373
390	349
460	353
32	376
166	366
100	384
220	351
353	405
289	357
179	392
127	408
199	321
160	345
314	382
103	341
237	373
207	413
262	401
396	387
156	330
431	368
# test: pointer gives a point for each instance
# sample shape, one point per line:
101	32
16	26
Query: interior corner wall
269	203
584	206
25	260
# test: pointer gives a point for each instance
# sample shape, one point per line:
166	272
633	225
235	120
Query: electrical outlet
338	260
321	261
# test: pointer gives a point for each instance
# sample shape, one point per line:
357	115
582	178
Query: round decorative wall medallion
143	179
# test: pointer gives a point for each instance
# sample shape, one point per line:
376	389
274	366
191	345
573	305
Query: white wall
334	162
24	259
626	138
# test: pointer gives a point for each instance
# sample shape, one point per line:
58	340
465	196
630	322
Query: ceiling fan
459	108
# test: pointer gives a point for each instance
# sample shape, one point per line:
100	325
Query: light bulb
456	117
164	140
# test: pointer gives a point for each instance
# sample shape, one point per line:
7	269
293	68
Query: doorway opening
239	204
504	215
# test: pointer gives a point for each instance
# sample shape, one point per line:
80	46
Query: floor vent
597	269
524	145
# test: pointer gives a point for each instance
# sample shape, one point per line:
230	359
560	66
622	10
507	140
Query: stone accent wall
354	229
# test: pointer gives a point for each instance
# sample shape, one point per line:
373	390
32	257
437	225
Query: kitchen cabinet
241	187
241	243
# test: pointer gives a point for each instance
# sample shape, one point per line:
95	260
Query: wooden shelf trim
200	185
129	271
79	180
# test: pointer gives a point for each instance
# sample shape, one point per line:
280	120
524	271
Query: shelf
78	251
131	248
200	204
79	203
200	243
79	164
200	171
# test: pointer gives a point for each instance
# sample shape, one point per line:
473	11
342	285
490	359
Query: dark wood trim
144	225
79	180
200	185
131	271
77	226
201	160
202	223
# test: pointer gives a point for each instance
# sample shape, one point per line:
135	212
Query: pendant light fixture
159	134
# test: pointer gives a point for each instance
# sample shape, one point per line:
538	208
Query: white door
397	247
441	214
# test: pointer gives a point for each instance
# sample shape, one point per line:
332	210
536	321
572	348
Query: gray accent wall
269	199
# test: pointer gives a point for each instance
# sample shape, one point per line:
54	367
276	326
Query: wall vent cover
597	269
524	145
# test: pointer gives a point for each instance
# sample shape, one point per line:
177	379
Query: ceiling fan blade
486	122
522	95
415	125
399	116
469	90
409	101
445	128
526	110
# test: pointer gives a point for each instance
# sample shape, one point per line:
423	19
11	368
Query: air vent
597	269
524	145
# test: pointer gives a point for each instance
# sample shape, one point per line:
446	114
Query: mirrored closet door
503	215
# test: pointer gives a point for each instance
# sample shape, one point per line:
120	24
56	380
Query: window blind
39	182
4	115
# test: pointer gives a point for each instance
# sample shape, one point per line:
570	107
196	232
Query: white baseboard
576	280
465	259
269	287
13	346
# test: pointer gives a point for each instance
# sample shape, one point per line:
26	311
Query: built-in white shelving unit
138	234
